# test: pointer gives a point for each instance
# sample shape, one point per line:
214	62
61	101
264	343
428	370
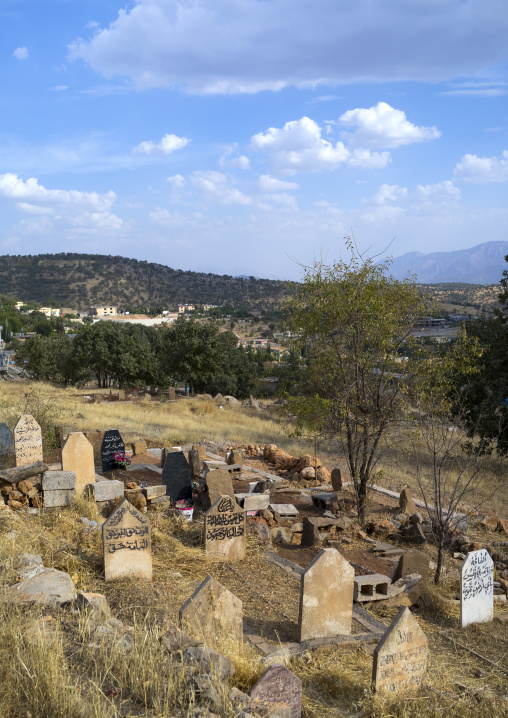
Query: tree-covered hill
81	280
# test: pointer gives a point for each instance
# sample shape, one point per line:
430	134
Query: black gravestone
112	444
6	440
176	476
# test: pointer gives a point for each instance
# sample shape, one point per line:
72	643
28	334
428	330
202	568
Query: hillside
81	280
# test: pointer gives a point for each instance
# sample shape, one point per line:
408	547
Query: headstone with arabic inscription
212	612
476	588
326	596
77	456
400	657
176	476
27	441
225	530
112	443
6	440
279	685
127	544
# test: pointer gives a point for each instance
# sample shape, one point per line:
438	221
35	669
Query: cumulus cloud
299	147
216	186
272	184
390	193
168	145
21	53
482	169
176	181
384	126
229	158
214	47
440	193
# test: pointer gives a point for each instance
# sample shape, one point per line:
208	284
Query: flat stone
77	456
235	457
413	561
59	498
326	596
127	545
310	532
476	588
283	511
225	530
112	443
400	657
256	502
49	587
212	612
210	465
107	490
152	492
95	602
219	483
194	463
27	441
279	685
58	480
176	476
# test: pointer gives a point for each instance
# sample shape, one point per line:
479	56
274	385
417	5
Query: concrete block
58	498
371	588
255	502
152	492
57	480
107	490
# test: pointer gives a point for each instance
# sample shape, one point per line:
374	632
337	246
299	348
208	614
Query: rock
138	447
323	475
261	531
24	486
336	479
282	535
490	522
415	518
49	587
310	532
413	561
406	503
413	533
381	528
136	498
209	661
15	505
307	461
176	640
502	526
95	602
308	473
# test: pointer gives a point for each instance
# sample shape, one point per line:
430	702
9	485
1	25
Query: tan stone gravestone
326	596
77	456
477	588
406	503
212	612
201	451
400	657
219	483
27	441
225	530
194	463
127	545
278	685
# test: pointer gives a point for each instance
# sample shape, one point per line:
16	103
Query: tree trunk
440	561
361	498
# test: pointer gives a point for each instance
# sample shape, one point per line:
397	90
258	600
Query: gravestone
138	447
6	440
77	456
326	596
201	451
225	530
400	657
476	588
112	444
27	441
194	463
278	685
127	544
219	483
406	503
176	476
212	612
413	561
235	456
336	480
95	438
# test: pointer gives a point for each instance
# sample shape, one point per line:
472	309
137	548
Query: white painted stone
127	544
476	588
27	441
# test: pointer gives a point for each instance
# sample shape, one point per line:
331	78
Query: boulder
406	503
49	587
207	660
323	475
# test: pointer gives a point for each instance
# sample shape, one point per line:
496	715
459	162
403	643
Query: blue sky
247	136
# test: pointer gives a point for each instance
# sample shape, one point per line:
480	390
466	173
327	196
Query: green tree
349	320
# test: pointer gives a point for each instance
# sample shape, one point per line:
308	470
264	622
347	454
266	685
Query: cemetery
234	579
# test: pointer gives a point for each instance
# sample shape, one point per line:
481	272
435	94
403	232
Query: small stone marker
406	503
201	451
112	444
127	544
225	530
219	483
176	476
194	463
278	685
235	456
413	561
400	657
336	479
27	441
6	440
77	456
212	612
326	596
476	588
138	447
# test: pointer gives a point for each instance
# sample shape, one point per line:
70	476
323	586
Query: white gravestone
127	544
476	588
27	441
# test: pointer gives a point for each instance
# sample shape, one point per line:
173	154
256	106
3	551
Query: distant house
49	312
102	311
184	308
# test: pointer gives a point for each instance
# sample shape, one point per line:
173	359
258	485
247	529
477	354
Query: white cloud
249	46
482	169
384	126
299	147
168	144
216	186
272	184
59	88
21	53
390	193
230	159
13	187
442	193
176	181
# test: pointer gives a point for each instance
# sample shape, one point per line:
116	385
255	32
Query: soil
363	562
140	476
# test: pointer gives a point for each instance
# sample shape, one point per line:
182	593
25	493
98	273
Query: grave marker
6	440
176	476
77	456
400	657
476	588
27	441
219	484
278	685
212	612
112	444
326	596
127	544
194	463
225	530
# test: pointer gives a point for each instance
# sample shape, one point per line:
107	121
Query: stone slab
284	510
49	587
152	492
59	498
112	443
176	476
400	657
219	483
127	545
212	612
225	530
27	441
256	502
77	456
58	480
476	588
107	490
6	440
279	685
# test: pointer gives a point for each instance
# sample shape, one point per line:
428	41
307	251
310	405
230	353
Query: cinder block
371	588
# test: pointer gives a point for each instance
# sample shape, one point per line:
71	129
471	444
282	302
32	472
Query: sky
251	136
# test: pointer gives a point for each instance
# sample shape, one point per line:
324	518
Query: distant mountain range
483	264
